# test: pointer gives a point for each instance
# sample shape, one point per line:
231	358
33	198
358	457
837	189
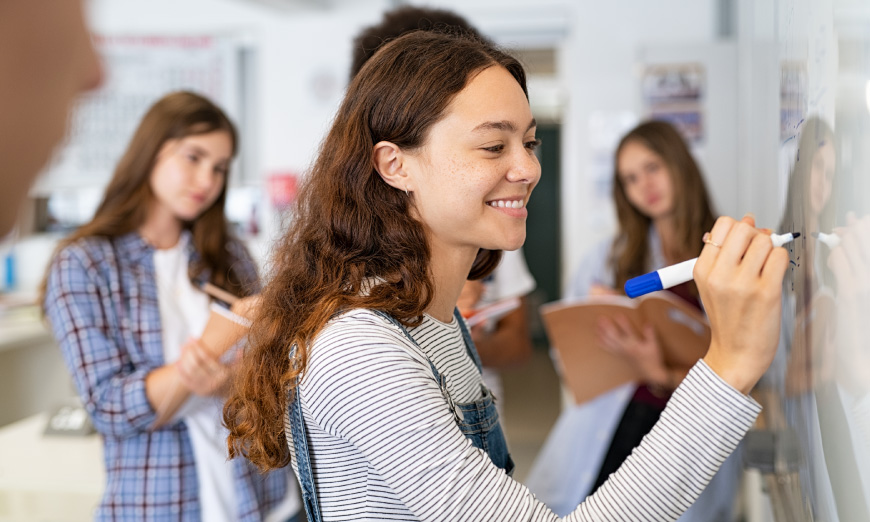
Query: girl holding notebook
663	210
123	296
360	373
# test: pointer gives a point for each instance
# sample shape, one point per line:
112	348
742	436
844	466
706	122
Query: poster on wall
138	71
675	93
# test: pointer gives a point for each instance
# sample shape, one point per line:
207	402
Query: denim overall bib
478	421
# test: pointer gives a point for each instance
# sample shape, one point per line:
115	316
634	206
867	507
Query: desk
33	376
48	478
22	326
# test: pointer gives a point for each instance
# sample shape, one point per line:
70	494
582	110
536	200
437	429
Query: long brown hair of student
692	211
354	242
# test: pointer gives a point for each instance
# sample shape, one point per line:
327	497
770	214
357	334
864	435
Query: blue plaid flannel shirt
101	301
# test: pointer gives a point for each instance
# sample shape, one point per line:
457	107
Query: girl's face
190	172
822	177
646	180
471	180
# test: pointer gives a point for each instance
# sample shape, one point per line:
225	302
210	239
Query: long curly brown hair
693	212
351	231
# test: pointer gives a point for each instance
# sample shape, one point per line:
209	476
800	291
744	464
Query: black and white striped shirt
384	445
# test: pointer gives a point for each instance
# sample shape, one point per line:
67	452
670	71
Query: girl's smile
514	207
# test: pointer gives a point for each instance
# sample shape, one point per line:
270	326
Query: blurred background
737	77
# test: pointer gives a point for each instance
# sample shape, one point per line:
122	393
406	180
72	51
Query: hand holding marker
681	272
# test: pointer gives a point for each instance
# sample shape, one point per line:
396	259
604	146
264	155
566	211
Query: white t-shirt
183	314
184	311
511	278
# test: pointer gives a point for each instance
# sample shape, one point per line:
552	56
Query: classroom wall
299	51
599	61
302	58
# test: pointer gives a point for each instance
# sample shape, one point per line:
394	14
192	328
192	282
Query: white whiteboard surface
805	155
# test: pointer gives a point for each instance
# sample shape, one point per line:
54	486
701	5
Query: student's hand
246	307
471	293
200	372
740	283
596	289
479	334
642	351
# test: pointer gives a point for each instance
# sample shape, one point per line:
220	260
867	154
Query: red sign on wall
282	187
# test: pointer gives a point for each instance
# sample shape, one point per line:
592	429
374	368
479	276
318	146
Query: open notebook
588	370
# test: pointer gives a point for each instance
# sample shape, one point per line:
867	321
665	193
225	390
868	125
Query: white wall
597	44
599	59
302	55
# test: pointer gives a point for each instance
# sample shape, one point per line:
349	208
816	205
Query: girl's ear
389	161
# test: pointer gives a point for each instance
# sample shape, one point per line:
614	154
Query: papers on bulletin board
675	93
138	71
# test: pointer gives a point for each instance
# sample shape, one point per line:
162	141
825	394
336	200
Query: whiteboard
805	148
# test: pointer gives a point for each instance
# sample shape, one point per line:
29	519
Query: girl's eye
494	148
193	158
533	144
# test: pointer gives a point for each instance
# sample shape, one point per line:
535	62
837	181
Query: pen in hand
681	272
219	293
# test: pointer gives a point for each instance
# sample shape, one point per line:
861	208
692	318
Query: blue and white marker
681	272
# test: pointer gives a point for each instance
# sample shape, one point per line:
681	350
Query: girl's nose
207	177
525	169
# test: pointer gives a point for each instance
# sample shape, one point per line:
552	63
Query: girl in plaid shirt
124	301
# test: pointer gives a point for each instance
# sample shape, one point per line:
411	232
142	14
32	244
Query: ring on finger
708	239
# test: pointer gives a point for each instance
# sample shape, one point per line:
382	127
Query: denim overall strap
303	456
478	420
469	344
405	331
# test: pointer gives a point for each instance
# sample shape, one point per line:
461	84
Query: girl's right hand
200	372
740	283
640	349
849	262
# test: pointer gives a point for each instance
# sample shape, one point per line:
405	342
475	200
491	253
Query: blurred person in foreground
46	60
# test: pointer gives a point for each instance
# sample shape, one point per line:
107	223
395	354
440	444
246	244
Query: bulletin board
138	71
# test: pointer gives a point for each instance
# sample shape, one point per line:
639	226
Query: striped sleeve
704	421
367	385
